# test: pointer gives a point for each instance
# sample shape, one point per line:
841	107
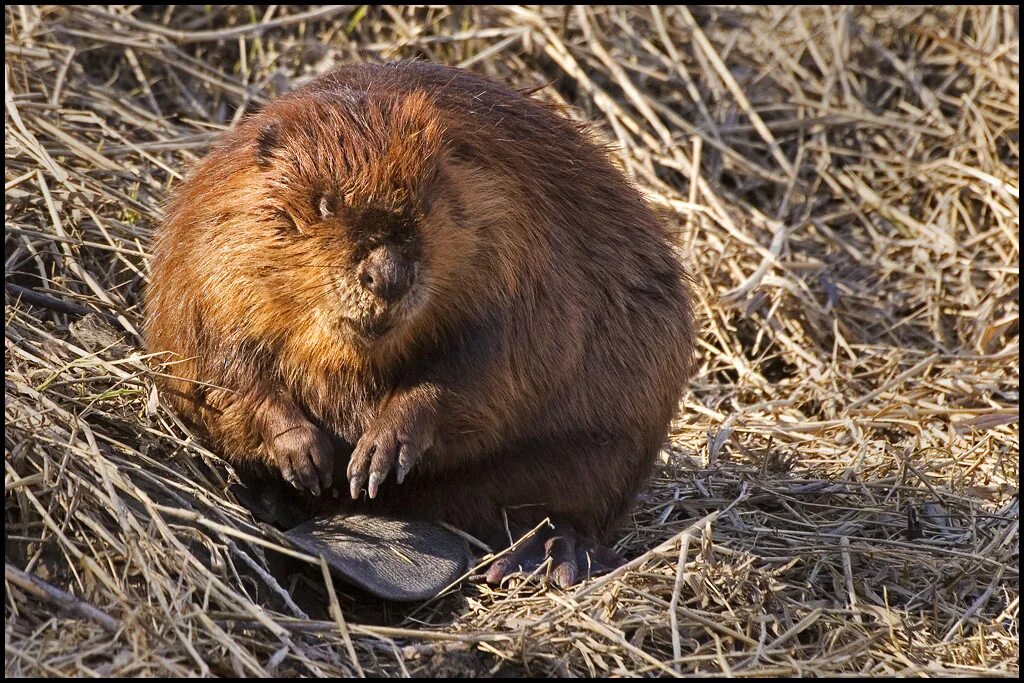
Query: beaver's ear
266	142
430	186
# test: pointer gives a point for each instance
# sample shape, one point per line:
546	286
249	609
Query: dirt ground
839	494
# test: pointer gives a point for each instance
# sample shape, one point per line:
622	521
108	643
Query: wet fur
554	335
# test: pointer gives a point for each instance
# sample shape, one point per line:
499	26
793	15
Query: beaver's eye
325	208
327	205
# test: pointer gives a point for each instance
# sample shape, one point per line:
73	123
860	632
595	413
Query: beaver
434	286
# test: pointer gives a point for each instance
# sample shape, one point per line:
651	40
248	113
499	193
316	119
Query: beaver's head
342	223
354	194
355	219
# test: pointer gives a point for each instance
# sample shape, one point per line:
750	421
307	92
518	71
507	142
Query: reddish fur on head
414	252
289	207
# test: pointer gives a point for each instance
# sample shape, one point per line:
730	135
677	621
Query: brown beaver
435	284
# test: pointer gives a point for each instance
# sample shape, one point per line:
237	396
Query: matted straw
839	495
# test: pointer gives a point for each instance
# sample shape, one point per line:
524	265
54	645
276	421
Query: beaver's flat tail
394	559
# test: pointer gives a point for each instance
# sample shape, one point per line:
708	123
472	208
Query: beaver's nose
386	273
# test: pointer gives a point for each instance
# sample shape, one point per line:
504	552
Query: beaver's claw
305	456
395	441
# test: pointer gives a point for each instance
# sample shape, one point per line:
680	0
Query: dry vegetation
840	491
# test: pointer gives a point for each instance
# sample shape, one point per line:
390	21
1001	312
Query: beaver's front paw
395	441
305	456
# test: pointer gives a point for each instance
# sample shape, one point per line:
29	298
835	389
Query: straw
839	493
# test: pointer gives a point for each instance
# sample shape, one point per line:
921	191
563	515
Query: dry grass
840	493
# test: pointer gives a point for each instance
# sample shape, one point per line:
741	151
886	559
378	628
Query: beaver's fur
445	275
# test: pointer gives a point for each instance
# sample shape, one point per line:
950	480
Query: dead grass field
840	493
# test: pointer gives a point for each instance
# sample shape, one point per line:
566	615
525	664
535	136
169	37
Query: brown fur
533	367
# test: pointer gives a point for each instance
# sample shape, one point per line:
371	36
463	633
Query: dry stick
268	579
75	147
774	250
673	605
44	591
339	618
173	62
80	558
484	561
695	168
984	271
723	72
456	37
140	76
671	147
221	34
928	98
113	478
198	518
489	52
801	625
200	141
695	616
744	164
942	240
379	632
73	264
617	637
564	607
623	80
33	147
558	52
977	605
242	656
700	525
844	543
34	298
58	86
392	632
895	381
677	62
